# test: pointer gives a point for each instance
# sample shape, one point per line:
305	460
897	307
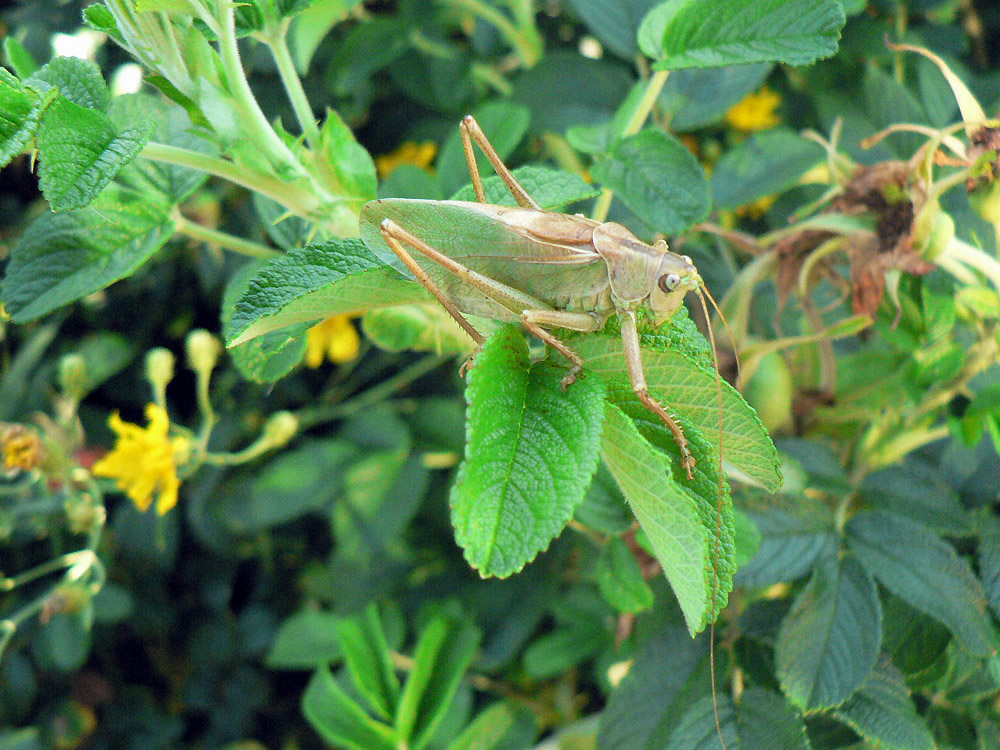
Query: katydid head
675	277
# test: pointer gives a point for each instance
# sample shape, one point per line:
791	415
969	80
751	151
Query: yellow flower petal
418	154
757	111
144	460
335	339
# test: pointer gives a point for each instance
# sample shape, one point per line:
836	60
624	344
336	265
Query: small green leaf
712	33
499	727
18	58
917	491
419	327
530	454
830	639
795	533
551	188
345	165
765	721
504	123
306	640
62	257
919	568
681	524
764	164
620	580
443	653
20	112
368	660
76	79
338	718
696	728
315	282
657	177
883	713
676	379
80	152
699	97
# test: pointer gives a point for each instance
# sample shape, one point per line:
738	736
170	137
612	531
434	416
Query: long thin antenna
729	332
718	513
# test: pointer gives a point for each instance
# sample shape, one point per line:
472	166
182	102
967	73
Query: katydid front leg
636	375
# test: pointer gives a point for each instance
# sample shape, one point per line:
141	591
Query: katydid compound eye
669	281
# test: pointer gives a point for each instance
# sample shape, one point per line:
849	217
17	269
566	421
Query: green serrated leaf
443	653
830	639
531	451
344	164
697	728
620	580
18	58
63	257
20	112
882	712
504	123
76	79
80	152
338	718
710	33
271	356
305	640
919	568
676	379
699	97
551	188
657	177
764	164
918	491
795	533
765	721
680	517
315	282
368	660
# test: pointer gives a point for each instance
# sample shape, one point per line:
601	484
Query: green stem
528	49
374	395
298	201
226	241
278	44
492	78
253	120
653	87
976	259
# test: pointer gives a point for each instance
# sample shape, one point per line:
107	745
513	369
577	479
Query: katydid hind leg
395	237
637	377
473	133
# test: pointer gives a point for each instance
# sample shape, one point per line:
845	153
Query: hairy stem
222	239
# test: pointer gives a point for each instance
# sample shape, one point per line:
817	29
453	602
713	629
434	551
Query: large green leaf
76	79
764	164
795	533
315	282
710	33
830	639
443	653
919	492
657	177
682	523
306	640
919	568
763	721
883	713
677	380
63	257
80	151
339	719
531	451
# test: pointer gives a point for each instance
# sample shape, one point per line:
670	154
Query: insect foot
569	378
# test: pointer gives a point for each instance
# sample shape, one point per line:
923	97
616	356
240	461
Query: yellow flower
758	208
335	339
418	154
21	448
144	460
756	111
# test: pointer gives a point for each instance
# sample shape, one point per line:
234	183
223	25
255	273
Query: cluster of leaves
861	596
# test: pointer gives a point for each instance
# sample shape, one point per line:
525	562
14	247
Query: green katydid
540	268
545	270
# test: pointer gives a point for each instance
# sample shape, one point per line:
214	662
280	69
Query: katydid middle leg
636	375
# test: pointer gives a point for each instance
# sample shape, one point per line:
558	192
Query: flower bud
202	351
159	368
280	428
73	376
985	199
